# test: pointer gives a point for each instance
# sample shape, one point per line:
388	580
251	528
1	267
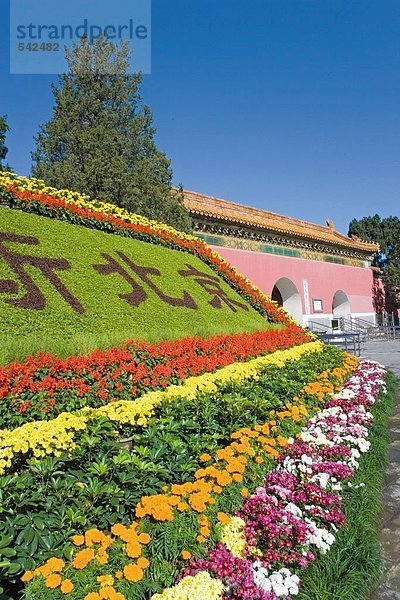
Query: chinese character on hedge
33	298
138	293
212	286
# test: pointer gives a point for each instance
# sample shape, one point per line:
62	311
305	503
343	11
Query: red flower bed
43	386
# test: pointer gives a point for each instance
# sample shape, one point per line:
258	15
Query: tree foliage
4	128
100	139
385	232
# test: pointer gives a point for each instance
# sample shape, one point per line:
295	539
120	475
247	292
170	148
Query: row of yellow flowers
229	465
85	202
41	438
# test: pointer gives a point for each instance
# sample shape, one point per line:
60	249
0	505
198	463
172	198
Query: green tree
4	127
385	232
100	139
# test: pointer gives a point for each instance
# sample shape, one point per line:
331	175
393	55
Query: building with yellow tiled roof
315	272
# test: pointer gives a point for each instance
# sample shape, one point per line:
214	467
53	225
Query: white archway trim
340	304
290	297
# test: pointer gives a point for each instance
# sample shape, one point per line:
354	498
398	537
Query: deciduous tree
386	232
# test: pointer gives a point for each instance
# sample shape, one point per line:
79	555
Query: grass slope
107	318
353	566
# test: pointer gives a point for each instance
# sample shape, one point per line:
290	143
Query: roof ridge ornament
330	225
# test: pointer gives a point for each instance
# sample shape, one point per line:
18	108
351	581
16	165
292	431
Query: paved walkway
388	353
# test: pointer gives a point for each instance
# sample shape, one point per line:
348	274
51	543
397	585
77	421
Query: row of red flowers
43	386
43	204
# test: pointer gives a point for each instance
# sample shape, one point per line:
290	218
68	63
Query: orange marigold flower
118	574
27	576
133	573
55	564
103	559
223	518
221	453
107	593
143	562
156	506
200	538
144	538
173	500
282	441
205	457
92	596
53	581
224	479
200	473
118	529
105	580
133	549
78	540
217	489
203	520
182	506
67	586
94	536
82	558
186	555
259	460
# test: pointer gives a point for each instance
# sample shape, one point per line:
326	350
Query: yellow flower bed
232	536
198	587
42	438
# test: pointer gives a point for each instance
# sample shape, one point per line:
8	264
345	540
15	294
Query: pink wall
324	279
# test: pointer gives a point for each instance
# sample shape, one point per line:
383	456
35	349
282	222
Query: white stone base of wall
325	319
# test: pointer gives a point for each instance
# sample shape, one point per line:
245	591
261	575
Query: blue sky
289	105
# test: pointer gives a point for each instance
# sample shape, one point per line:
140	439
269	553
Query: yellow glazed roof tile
232	212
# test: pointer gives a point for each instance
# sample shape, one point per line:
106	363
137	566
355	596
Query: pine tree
100	139
4	127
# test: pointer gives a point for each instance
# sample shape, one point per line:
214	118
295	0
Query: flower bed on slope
296	514
43	386
99	481
183	518
42	438
32	195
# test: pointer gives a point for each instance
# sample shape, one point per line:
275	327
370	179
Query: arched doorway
286	294
340	304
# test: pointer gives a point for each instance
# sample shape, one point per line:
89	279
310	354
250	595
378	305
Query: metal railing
349	341
368	329
388	319
353	332
316	327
